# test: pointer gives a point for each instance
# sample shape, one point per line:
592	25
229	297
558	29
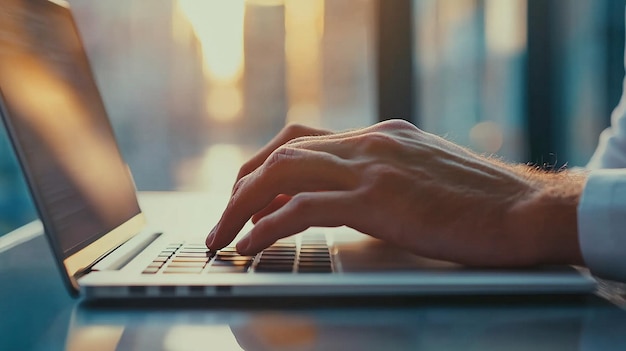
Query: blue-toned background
15	204
193	87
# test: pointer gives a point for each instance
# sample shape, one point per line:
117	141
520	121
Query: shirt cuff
602	223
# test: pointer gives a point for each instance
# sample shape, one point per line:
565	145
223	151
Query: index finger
289	172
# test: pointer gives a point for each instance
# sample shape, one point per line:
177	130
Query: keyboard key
272	256
273	269
314	254
315	270
228	254
275	264
314	249
278	253
195	246
314	259
314	264
281	249
186	264
283	244
150	270
191	259
234	259
195	254
232	263
316	244
194	251
227	269
185	270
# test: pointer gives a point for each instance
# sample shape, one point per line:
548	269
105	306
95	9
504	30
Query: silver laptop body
86	199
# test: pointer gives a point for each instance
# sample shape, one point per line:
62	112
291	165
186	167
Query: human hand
407	187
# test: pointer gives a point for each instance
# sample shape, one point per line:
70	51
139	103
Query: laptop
86	198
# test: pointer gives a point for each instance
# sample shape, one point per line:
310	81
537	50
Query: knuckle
382	183
296	141
378	141
266	225
232	203
300	203
382	170
239	185
381	138
381	175
368	194
242	173
397	124
294	130
402	128
279	157
245	169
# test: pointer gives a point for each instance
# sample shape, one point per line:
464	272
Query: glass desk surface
38	314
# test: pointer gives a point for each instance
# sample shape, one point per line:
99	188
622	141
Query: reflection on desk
36	313
521	326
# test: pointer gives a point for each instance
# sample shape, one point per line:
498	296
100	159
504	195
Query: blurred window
194	87
530	80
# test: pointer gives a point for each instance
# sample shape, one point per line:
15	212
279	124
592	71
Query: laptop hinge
84	271
118	259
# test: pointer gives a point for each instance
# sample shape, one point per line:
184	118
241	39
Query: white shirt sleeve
602	223
602	207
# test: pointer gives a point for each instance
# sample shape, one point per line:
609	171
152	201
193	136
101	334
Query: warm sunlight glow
96	338
304	28
487	137
505	26
265	2
200	337
275	331
219	25
28	78
215	170
224	102
453	12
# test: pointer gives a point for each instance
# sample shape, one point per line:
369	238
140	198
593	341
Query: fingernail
244	244
210	238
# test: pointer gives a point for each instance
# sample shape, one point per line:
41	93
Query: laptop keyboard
310	254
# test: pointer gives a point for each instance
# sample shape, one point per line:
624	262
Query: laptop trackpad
361	253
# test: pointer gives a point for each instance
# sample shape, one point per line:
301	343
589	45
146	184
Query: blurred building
529	80
194	86
148	63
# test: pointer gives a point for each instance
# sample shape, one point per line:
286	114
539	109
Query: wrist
545	221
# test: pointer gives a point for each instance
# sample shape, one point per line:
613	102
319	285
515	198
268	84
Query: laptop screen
57	121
